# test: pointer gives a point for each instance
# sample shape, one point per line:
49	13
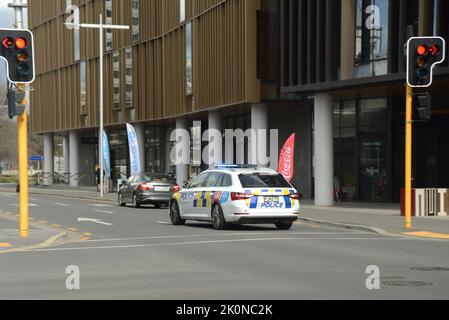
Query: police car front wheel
175	216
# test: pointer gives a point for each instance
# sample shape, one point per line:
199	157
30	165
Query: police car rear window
263	181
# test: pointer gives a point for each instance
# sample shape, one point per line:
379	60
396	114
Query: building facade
331	71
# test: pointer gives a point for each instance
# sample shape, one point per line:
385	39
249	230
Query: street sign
37	158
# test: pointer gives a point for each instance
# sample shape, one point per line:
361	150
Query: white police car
237	195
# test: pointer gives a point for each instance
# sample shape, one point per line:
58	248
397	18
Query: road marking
100	205
62	205
56	226
101	211
33	205
210	242
5	245
42	221
94	221
87	234
227	235
163	222
426	234
73	229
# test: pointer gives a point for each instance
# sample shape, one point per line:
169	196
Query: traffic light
16	103
423	103
16	48
423	53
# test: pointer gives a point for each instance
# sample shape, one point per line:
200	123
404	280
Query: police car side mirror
186	185
301	197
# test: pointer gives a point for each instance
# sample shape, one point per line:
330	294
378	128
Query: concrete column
74	159
214	152
140	131
49	156
66	153
324	151
182	151
259	142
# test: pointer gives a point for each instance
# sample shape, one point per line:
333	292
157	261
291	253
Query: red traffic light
422	50
8	42
21	43
434	49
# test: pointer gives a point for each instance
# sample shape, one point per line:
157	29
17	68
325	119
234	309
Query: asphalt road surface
136	254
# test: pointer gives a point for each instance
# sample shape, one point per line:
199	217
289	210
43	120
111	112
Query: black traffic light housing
16	48
423	54
423	107
16	103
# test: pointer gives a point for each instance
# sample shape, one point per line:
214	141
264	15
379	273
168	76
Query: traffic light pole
408	157
23	140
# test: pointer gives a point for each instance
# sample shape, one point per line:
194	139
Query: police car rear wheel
284	226
218	220
175	216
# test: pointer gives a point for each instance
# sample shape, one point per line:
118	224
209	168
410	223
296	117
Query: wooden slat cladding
310	40
224	57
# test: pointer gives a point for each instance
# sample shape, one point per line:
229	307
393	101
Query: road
136	254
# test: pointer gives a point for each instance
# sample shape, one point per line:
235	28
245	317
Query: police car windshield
257	180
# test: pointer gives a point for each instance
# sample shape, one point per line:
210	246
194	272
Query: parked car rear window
159	177
263	181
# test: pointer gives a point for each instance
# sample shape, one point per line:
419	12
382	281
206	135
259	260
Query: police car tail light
235	196
145	187
176	189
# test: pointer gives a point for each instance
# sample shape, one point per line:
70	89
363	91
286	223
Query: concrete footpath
382	218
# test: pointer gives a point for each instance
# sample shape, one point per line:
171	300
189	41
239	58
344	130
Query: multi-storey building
331	71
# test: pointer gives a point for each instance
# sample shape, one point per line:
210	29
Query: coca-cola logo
287	159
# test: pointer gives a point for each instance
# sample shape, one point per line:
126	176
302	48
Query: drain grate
407	283
439	269
392	278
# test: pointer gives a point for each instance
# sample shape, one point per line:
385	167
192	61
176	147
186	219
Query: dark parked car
143	189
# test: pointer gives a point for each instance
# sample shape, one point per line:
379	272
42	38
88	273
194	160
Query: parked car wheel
120	200
136	204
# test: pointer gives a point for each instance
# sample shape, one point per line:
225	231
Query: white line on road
94	221
101	211
211	242
62	205
29	205
226	235
162	222
100	205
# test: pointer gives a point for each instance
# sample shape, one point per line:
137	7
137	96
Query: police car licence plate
271	203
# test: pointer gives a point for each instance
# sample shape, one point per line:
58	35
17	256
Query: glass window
116	79
182	10
129	78
371	47
263	181
189	70
212	180
153	150
199	181
83	88
225	181
373	112
135	32
108	7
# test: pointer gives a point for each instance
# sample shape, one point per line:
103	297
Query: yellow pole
408	158
23	170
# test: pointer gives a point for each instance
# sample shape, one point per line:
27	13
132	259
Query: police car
237	195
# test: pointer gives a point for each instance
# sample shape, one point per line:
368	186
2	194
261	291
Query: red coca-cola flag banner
287	159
